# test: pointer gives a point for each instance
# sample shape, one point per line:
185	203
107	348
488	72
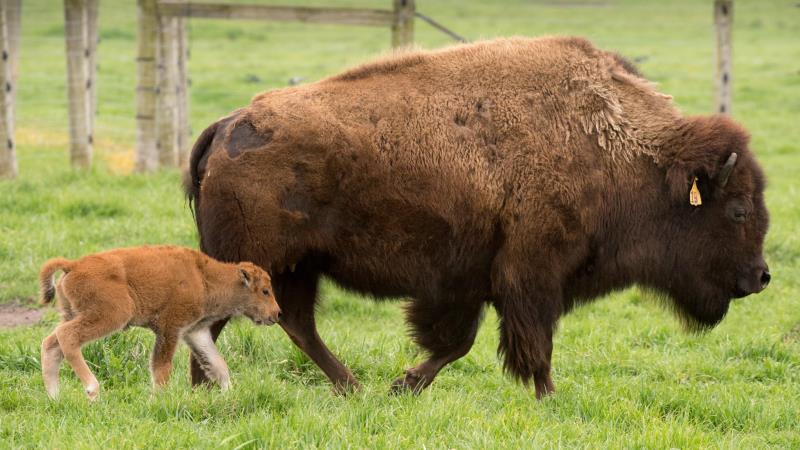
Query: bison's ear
245	276
703	148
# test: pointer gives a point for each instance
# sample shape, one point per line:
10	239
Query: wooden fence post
92	39
182	94
14	21
8	158
147	37
403	26
166	115
79	80
723	21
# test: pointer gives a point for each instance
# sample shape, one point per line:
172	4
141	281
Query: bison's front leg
526	339
527	295
446	331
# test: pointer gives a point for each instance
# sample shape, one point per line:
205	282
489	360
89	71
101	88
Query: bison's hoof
346	387
412	382
544	387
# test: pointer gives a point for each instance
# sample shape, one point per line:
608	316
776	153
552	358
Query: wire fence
231	61
42	103
43	106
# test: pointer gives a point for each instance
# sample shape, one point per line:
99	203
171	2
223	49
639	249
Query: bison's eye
737	211
265	291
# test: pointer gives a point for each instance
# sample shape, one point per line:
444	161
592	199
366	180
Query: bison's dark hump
628	65
382	67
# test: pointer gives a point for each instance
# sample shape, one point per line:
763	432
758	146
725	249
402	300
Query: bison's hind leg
446	331
296	293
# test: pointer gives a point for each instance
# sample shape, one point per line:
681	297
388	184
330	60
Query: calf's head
716	222
257	297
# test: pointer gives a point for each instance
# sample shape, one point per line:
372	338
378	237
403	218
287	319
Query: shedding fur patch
607	98
604	118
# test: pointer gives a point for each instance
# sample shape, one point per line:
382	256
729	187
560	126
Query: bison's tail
194	175
46	281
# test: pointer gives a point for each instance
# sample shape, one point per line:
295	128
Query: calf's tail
46	280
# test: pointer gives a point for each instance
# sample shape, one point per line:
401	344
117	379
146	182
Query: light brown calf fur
174	291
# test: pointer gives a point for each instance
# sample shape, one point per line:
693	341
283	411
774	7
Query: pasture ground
626	374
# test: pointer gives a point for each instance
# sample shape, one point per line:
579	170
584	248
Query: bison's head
715	247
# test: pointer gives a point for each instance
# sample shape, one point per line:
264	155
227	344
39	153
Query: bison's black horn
726	170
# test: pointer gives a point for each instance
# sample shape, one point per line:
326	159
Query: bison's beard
697	313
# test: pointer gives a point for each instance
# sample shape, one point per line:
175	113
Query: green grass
627	376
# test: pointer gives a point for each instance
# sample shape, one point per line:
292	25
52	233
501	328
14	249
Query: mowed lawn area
626	374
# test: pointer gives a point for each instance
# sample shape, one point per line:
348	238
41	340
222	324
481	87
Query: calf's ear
245	276
703	148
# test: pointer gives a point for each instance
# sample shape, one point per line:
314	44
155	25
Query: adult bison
529	174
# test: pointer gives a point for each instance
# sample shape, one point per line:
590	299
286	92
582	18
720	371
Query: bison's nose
754	281
765	277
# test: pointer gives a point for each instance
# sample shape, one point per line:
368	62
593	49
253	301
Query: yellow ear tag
694	194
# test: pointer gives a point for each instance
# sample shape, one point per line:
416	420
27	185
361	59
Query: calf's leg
447	331
197	372
296	293
81	330
52	356
208	357
163	352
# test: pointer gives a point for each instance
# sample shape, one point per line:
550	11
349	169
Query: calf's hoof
52	392
92	391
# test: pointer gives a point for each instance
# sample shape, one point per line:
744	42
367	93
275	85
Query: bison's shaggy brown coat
531	174
176	292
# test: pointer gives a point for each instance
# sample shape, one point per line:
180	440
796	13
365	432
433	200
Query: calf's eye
265	292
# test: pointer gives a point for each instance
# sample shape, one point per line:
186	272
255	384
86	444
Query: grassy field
626	374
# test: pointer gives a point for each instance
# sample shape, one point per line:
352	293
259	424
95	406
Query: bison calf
176	292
